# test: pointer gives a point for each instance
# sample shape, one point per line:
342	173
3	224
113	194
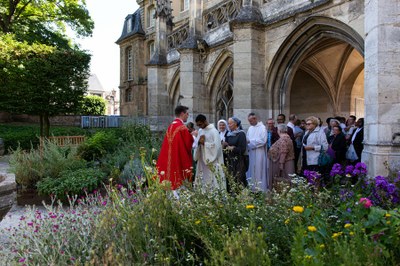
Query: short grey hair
282	128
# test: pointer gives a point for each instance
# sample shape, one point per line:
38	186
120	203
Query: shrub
53	235
30	167
98	145
93	105
71	182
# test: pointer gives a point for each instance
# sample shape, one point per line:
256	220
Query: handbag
324	158
351	153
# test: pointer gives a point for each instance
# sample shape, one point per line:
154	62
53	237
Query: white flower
162	173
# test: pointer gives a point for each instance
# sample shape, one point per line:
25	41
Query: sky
109	17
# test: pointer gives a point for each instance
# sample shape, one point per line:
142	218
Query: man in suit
357	138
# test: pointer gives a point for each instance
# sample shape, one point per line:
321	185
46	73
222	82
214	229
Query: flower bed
343	219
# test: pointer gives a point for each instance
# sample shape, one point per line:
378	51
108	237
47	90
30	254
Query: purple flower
336	170
21	260
349	169
312	176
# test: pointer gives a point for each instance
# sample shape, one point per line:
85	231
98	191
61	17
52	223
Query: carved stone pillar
248	66
191	65
382	79
159	110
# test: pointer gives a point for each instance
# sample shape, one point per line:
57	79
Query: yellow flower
387	215
249	206
312	228
322	246
287	221
197	222
298	209
336	235
308	257
388	222
347	225
351	233
259	228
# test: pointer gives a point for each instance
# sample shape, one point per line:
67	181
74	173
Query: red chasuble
175	160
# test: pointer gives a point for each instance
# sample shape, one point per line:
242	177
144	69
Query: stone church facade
232	57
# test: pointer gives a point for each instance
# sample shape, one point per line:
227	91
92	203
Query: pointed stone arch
313	35
174	90
219	84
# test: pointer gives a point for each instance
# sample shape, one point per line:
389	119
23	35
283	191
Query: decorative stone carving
221	14
176	38
163	9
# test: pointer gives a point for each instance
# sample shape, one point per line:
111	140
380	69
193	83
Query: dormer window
129	25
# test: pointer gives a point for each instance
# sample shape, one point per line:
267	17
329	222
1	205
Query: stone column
159	110
248	67
191	64
382	81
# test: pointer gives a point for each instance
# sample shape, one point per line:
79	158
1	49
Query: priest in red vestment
175	161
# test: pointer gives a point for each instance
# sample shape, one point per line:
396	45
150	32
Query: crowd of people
258	158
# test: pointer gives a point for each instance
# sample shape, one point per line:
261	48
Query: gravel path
13	216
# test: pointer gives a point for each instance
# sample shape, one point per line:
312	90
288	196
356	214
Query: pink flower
366	202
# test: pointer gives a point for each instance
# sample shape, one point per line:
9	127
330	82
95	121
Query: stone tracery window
224	107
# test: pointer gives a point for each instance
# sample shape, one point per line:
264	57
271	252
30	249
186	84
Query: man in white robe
209	157
257	139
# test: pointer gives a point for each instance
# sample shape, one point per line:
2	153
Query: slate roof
136	26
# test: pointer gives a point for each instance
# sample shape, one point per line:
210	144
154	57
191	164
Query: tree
93	105
44	20
41	71
41	80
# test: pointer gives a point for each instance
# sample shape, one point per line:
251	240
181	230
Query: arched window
225	95
151	49
128	95
129	63
151	21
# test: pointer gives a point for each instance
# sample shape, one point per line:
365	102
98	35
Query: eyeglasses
308	124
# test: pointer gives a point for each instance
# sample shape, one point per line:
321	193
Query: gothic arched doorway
319	71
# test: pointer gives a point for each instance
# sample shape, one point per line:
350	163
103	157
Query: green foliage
127	161
41	80
71	182
93	105
97	146
247	247
30	167
26	136
44	21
